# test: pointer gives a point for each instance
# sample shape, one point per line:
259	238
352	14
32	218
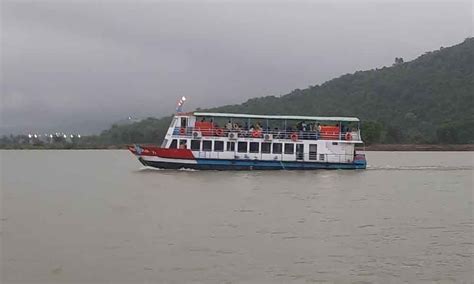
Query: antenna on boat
179	107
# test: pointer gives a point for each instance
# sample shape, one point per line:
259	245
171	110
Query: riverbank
62	147
418	147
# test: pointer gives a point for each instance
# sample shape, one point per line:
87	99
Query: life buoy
182	131
219	132
256	133
348	136
294	136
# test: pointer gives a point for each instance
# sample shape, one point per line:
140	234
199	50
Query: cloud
66	62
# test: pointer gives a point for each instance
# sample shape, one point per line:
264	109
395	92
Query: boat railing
353	134
333	158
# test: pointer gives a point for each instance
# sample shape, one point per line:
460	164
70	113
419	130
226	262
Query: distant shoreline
373	147
418	147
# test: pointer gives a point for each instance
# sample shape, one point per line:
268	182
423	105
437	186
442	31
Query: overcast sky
79	65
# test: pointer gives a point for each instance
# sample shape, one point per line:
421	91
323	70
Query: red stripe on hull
163	152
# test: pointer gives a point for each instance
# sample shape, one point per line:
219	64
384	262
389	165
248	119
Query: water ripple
421	168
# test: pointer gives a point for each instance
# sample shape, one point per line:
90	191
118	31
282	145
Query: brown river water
99	217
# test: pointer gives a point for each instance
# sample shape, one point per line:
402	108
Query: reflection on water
99	217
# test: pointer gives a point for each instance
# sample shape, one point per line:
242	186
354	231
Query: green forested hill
427	100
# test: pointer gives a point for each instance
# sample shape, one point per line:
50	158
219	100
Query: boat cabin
265	137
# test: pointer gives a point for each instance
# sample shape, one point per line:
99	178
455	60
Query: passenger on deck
228	126
182	145
299	126
243	131
312	133
277	133
318	131
304	126
214	124
203	119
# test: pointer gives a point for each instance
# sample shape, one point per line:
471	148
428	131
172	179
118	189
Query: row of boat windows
242	146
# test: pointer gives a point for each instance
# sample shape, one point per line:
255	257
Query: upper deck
266	127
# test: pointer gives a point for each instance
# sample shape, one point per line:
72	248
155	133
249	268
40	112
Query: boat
231	141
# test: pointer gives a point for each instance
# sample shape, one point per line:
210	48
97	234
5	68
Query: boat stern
360	161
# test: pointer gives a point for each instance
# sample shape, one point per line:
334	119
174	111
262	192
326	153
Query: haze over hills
427	100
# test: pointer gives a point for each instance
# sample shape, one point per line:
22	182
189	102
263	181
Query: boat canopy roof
286	117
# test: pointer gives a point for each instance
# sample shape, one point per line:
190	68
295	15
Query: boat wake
188	170
149	169
152	169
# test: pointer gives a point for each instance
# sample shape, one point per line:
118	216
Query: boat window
174	144
231	146
195	145
299	151
277	148
183	144
254	147
289	148
334	143
313	149
321	157
207	145
242	147
266	148
219	146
